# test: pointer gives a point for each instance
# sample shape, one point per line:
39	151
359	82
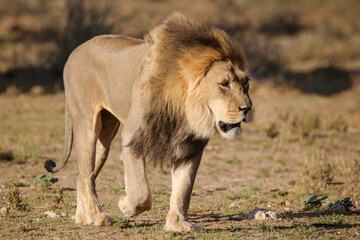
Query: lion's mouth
226	127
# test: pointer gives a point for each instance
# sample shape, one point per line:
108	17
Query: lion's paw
100	219
129	210
80	219
126	208
182	226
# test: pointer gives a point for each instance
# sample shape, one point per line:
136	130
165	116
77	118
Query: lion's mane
177	121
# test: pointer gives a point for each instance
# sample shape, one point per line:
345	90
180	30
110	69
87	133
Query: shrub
84	20
283	23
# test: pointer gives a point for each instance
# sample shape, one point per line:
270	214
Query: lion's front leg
183	175
138	195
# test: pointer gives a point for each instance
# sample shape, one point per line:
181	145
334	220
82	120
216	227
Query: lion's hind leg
88	209
109	128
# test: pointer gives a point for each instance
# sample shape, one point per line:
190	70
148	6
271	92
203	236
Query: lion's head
222	94
194	86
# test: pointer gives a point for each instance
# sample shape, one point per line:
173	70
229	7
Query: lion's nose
245	109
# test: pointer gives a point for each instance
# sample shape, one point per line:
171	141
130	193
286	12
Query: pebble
259	214
336	208
4	211
51	214
236	204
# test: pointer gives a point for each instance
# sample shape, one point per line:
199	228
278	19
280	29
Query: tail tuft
49	165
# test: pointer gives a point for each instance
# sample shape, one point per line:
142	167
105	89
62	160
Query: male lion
172	91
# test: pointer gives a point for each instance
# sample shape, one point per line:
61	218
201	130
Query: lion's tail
50	165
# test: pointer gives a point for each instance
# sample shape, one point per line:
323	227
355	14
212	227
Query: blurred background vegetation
310	45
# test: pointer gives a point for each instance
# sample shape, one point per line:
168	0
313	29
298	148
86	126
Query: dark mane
162	139
178	35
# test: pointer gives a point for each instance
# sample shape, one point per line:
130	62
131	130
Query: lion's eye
225	84
246	81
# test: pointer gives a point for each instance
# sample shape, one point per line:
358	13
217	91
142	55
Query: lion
181	85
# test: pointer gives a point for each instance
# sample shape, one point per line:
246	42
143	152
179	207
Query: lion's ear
196	62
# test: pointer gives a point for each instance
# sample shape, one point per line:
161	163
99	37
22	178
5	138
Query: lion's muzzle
226	127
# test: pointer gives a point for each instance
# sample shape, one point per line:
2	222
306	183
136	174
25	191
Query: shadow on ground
26	78
319	226
219	217
323	81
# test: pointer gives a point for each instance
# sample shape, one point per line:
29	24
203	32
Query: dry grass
257	171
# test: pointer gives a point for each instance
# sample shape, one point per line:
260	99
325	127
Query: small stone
51	214
266	215
262	214
251	214
63	215
336	208
235	204
4	211
270	205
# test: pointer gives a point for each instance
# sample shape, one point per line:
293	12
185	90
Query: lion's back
106	66
102	49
